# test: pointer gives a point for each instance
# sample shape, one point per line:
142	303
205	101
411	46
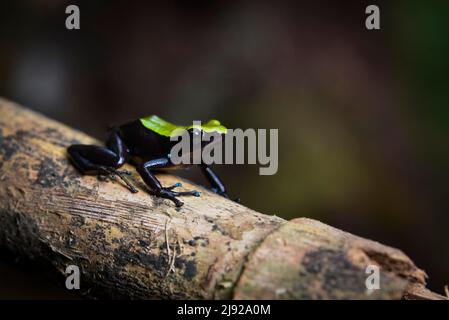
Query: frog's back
144	143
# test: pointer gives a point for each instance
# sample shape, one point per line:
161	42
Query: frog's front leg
144	169
215	182
96	160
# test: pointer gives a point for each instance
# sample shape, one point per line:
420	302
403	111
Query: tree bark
140	246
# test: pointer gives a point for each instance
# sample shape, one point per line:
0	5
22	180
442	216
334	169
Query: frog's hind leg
96	160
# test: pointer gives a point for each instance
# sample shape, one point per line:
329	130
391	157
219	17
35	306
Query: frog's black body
147	150
144	144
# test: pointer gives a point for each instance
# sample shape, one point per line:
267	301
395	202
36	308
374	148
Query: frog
146	144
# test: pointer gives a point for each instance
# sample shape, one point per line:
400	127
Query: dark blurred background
362	115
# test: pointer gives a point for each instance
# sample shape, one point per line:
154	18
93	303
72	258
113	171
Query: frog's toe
168	194
113	173
176	185
194	193
188	193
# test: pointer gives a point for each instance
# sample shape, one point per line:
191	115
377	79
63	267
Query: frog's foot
113	172
172	195
224	194
182	193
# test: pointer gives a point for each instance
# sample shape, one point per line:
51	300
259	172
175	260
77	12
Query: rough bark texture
140	246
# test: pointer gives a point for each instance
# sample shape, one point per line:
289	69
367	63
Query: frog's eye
214	122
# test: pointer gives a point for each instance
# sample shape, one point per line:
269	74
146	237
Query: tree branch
140	246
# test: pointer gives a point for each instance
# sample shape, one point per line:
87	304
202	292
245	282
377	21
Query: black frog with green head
145	143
